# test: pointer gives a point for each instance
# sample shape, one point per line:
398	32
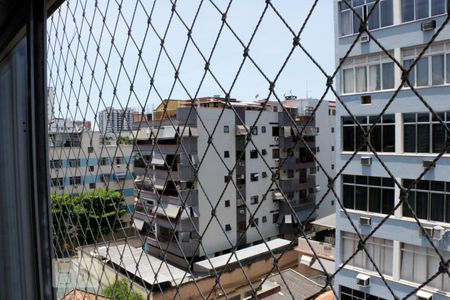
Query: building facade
115	121
266	182
406	138
80	163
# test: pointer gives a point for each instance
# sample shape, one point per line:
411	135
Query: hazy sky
269	49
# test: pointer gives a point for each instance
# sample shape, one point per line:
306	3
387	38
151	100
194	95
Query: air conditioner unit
428	25
428	230
366	161
422	295
428	164
438	233
365	38
362	279
365	221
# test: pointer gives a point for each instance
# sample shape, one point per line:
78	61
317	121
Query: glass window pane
349	138
388	138
374	19
439	137
448	68
423	140
421	205
422	9
349	86
346	22
422	72
361	79
375	200
407	63
447	208
406	209
357	17
374	78
407	10
388	201
375	138
437	207
437	69
349	197
361	198
387	15
388	75
360	139
409	138
437	7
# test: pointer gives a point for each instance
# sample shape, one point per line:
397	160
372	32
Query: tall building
406	139
80	163
115	121
166	176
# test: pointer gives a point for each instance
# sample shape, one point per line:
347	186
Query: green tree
81	220
119	290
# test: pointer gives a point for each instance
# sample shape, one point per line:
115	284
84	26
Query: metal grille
150	206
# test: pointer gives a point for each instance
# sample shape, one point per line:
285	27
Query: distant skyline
269	49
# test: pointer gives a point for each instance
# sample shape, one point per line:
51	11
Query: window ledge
433	155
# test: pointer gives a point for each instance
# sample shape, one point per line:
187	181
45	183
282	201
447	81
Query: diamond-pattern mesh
147	198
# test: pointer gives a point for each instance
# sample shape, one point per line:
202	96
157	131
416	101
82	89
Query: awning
278	196
327	264
138	224
183	131
120	176
158	159
142	134
242	130
170	211
194	131
166	132
327	222
306	260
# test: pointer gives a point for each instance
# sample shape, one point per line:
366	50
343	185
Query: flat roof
294	285
328	221
219	262
141	264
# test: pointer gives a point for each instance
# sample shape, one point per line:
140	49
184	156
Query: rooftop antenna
307	89
256	96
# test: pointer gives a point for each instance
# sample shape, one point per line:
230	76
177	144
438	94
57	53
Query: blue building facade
407	138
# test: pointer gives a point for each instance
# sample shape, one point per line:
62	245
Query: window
55	164
254	222
432	68
119	160
227	227
332	148
263	151
253	153
255	130
254	176
75	180
254	199
420	263
423	133
227	178
275	153
332	167
227	203
275	218
92	185
104	161
305	155
290	173
368	73
275	131
264	174
303	178
367	193
317	149
57	182
350	294
430	200
420	9
74	163
380	250
91	168
332	129
226	154
312	170
264	219
381	16
226	129
90	149
382	137
263	129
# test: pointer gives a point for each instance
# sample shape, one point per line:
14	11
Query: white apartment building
116	121
406	139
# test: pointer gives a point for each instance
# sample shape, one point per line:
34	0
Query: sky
86	44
